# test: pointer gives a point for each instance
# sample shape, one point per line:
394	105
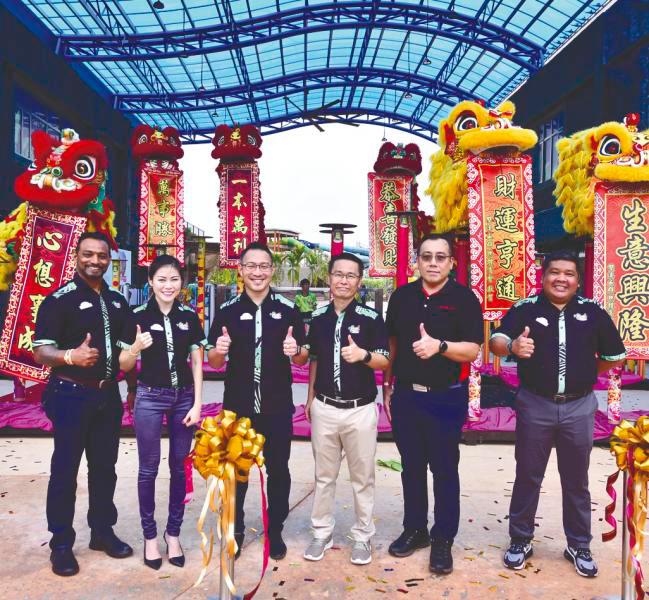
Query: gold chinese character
634	286
239	225
632	324
505	186
163	187
389	195
390	257
389	236
162	228
239	245
37	300
26	339
506	219
43	277
506	252
163	206
635	253
506	288
239	181
633	217
50	240
238	202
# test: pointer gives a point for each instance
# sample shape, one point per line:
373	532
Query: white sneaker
316	549
361	553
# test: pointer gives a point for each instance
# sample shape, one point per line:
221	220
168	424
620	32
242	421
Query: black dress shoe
441	559
110	544
409	541
176	561
238	537
63	562
277	547
152	563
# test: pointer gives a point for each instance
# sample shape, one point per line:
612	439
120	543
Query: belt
426	388
562	398
95	384
355	403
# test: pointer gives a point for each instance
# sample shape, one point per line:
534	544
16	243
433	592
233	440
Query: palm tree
279	259
294	259
317	264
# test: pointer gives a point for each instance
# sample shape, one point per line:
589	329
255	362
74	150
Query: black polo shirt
453	314
329	332
566	343
175	336
258	374
74	310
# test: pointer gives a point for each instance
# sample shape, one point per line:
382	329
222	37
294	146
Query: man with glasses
347	341
435	329
260	333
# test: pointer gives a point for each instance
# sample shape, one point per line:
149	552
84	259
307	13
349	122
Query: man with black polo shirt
435	329
79	331
561	342
261	333
347	342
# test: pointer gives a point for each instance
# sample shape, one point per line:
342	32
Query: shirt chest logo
156	327
85	305
116	304
354	329
245	317
543	321
183	326
276	315
581	316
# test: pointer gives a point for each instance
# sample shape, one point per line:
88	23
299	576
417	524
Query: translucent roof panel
281	64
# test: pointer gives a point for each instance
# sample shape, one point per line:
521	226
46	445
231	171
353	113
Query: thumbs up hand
290	343
85	355
142	341
426	346
223	342
352	353
523	345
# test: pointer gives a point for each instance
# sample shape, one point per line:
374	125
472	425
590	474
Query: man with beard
561	341
260	333
435	329
79	331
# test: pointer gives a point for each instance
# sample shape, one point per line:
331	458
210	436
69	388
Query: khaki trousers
334	430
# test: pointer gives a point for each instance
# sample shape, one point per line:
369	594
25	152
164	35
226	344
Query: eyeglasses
349	276
438	259
263	267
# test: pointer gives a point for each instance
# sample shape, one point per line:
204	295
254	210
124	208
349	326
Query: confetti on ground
476	582
503	575
349	588
402	590
521	575
493	588
388	569
371	578
164	577
415	579
379	590
308	579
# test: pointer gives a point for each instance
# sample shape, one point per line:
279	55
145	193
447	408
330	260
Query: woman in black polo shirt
168	334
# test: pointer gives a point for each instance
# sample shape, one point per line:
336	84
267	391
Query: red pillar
462	258
403	254
589	268
337	242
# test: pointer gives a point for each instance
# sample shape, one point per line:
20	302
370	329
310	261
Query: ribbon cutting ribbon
225	450
630	445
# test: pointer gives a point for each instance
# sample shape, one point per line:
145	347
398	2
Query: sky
307	177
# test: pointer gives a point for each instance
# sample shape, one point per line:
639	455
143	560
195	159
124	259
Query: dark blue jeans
87	420
427	427
151	403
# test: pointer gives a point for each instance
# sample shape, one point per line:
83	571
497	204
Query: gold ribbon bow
225	450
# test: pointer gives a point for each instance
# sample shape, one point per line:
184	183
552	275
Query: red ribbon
189	479
631	527
610	508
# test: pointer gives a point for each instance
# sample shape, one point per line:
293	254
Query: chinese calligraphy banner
387	193
501	227
46	262
162	226
621	271
239	210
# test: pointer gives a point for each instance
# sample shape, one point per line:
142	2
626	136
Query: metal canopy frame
399	64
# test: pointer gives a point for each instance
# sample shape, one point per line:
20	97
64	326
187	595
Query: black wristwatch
443	347
368	357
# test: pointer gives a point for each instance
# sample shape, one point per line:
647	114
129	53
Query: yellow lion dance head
615	152
469	129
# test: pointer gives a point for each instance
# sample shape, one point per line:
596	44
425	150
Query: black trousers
427	427
278	430
87	420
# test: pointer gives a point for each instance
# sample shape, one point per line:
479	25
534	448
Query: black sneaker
583	560
441	559
518	552
409	541
277	546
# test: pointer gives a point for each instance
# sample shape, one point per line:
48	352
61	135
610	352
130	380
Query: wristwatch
443	347
368	356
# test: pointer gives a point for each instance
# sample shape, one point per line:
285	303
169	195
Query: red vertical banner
46	262
621	261
501	227
387	193
238	209
162	225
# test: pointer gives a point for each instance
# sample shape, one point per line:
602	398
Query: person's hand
130	400
352	353
426	346
387	400
84	355
193	416
142	341
290	343
307	409
223	342
523	345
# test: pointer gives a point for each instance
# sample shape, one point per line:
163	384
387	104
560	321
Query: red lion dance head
151	142
240	143
398	158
